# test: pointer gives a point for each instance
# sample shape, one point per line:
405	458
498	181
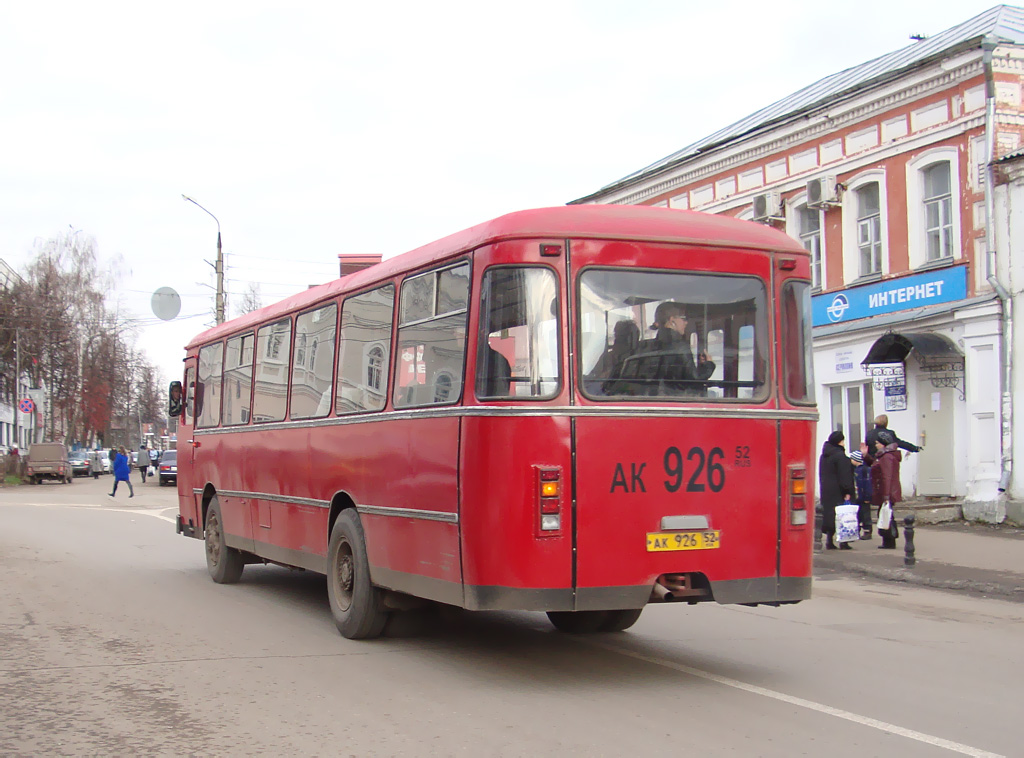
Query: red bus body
449	495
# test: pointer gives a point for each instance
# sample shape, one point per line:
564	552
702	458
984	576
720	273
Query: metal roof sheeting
1004	22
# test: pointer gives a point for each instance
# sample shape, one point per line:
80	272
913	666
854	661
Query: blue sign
916	291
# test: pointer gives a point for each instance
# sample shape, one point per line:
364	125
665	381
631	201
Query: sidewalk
956	555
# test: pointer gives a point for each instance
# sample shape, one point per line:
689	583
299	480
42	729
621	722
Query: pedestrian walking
96	463
885	487
835	475
862	478
122	472
142	461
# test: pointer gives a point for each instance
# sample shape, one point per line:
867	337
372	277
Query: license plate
658	542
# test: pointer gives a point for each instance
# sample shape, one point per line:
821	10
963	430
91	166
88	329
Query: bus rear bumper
766	590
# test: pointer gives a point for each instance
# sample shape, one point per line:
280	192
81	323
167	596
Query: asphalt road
114	641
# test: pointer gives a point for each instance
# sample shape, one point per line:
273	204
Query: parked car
48	460
168	467
80	465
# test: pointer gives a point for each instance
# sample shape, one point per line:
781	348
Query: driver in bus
666	362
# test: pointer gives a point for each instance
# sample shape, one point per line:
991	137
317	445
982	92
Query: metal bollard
817	527
908	540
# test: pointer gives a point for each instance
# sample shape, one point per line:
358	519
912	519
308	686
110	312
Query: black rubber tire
356	605
578	622
224	563
620	621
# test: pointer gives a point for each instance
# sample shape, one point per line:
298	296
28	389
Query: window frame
306	364
387	345
917	232
851	217
795	229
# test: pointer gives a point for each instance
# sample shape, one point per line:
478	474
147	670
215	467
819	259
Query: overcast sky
313	129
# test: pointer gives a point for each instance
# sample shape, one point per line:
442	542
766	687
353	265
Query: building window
853	412
938	212
364	351
810	238
869	229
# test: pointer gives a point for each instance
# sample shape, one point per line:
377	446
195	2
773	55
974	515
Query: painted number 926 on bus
699	470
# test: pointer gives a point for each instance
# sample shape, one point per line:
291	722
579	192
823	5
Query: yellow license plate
658	542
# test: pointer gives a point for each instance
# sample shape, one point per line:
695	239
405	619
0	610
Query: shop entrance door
935	465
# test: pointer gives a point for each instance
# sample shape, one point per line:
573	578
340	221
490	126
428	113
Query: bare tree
251	300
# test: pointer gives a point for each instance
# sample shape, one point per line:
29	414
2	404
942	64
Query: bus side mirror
174	400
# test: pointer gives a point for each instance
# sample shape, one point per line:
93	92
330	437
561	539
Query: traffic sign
26	405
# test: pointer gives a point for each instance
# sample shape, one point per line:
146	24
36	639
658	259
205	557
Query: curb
1005	585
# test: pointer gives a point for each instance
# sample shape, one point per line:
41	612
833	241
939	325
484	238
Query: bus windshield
666	334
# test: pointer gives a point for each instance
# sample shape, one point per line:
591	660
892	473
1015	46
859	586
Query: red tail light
549	500
797	491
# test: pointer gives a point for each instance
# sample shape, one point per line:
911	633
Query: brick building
882	171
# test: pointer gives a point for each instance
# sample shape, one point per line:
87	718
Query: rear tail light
797	495
549	500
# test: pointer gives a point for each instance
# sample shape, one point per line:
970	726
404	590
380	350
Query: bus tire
357	606
578	622
224	563
620	621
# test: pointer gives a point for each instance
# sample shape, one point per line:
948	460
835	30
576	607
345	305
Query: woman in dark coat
885	485
835	474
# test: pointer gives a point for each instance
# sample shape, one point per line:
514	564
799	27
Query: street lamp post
219	268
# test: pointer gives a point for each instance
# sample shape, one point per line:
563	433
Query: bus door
186	451
676	441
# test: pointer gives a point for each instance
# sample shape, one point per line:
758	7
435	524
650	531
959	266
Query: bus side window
363	351
190	395
432	337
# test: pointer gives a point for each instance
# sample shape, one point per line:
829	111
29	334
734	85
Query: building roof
1004	22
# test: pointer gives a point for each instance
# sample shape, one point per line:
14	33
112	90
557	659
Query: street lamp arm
186	197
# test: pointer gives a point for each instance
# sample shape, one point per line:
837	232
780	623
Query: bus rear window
672	335
517	356
797	362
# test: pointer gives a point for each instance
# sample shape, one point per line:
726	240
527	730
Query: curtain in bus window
238	380
273	347
431	349
713	344
211	361
313	364
363	351
517	355
797	358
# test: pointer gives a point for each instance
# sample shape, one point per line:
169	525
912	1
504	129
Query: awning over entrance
930	349
937	356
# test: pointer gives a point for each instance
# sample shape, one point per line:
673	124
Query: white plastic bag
151	471
884	516
847	524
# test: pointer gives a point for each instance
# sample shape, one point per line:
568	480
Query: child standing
862	476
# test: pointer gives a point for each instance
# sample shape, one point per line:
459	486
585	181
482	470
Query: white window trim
793	206
367	352
851	249
917	243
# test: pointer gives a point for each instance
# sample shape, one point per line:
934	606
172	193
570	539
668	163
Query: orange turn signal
549	489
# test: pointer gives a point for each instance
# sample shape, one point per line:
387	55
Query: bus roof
616	222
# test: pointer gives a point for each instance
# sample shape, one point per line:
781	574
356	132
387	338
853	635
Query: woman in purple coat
885	485
122	472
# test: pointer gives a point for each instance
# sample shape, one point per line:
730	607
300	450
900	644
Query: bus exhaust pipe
669	587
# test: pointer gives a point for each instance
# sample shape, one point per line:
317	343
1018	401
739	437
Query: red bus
577	410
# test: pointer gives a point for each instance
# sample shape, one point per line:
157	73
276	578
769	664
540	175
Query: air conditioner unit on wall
822	192
767	206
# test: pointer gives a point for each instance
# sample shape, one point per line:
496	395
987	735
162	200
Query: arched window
938	212
375	368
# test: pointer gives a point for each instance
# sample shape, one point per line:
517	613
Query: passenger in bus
666	364
625	340
496	375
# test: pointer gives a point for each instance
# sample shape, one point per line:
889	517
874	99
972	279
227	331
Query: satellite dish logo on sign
26	405
837	308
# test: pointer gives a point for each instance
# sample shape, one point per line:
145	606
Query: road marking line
809	704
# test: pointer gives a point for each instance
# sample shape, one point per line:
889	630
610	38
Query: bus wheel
357	606
620	621
578	622
224	563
